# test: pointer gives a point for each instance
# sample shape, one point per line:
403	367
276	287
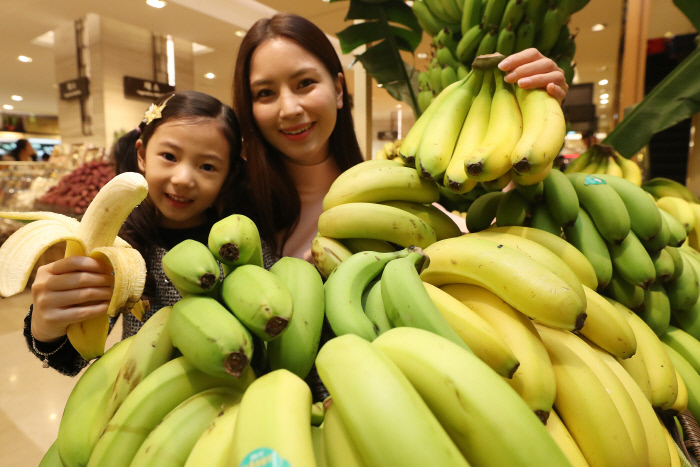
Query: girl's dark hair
141	227
275	197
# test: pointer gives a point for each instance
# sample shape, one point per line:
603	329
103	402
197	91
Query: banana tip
522	166
580	319
475	169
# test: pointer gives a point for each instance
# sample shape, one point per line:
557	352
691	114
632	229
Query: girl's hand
530	69
68	291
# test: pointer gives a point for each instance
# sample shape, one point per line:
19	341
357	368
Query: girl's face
185	165
295	100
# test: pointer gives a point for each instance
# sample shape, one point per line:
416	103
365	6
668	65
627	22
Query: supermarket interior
78	74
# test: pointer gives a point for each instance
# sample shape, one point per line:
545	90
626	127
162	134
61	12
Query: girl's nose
183	175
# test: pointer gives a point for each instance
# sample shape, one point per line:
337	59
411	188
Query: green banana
630	295
664	264
84	415
406	301
677	262
158	394
632	262
356	245
51	457
483	210
585	237
512	209
689	320
454	383
659	187
467	45
684	291
552	22
512	15
534	11
677	233
488	42
425	98
533	193
214	340
191	267
499	183
446	58
437	7
295	349
446	38
327	253
525	34
506	41
374	308
428	21
690	378
604	205
541	218
259	299
171	442
493	12
151	347
440	136
378	183
656	310
472	12
370	220
442	224
366	385
235	240
662	239
448	76
344	289
684	344
645	221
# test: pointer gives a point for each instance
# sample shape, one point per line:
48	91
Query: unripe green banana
630	295
356	245
442	224
677	234
662	239
51	457
677	262
690	377
506	41
684	291
259	299
327	254
632	262
512	209
551	24
171	442
656	311
437	7
524	35
488	42
684	344
447	59
445	38
210	336
344	289
664	264
493	12
604	205
541	218
84	416
374	307
512	15
585	237
406	301
472	12
534	12
448	76
235	241
427	20
191	267
467	45
295	350
483	210
645	221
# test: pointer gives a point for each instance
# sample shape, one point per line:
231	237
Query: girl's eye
209	168
169	157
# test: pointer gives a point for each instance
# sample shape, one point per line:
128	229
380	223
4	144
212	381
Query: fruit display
75	190
603	159
462	30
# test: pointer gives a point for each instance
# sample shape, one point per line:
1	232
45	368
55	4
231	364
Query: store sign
137	87
71	89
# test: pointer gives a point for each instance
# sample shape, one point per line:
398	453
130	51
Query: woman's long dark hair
275	196
141	227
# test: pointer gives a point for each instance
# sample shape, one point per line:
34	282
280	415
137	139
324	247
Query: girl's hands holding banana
68	291
530	69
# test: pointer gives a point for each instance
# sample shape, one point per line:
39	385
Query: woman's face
295	100
185	164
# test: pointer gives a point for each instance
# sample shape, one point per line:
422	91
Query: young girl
292	101
189	153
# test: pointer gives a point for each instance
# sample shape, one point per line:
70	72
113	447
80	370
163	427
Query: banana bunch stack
483	131
390	150
659	187
604	159
464	29
95	236
378	205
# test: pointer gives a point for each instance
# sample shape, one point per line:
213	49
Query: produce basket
692	434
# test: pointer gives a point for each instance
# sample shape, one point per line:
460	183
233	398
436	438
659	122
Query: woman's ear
141	155
339	90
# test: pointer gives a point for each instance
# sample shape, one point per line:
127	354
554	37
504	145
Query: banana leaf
675	98
691	9
387	27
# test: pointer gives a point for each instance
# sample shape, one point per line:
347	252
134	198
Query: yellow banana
606	326
340	450
213	447
327	254
565	441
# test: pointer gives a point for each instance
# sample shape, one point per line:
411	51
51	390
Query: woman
291	98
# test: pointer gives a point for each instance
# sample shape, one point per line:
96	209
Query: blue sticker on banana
591	180
264	457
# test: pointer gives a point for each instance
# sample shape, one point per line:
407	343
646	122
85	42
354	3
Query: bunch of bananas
96	236
464	29
604	159
390	150
481	131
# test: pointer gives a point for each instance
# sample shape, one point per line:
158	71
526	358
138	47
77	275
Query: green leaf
674	99
691	9
359	34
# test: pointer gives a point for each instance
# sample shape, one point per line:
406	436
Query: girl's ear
141	155
339	90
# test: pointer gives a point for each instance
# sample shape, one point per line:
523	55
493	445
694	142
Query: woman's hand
530	69
68	291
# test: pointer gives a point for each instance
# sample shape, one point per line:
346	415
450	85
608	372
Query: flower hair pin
155	111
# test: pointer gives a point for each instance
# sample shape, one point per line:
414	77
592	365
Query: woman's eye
306	82
263	93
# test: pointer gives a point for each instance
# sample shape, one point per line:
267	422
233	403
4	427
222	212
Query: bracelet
45	364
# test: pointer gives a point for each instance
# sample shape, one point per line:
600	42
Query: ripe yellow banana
387	419
680	209
98	228
523	283
274	421
455	385
442	224
544	128
531	178
213	447
606	326
681	405
534	378
340	450
327	254
565	441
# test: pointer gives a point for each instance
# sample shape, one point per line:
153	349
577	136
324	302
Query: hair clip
155	111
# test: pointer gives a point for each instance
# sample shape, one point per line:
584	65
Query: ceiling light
199	49
8	107
604	96
380	85
24	58
603	101
155	3
603	82
604	116
210	76
598	27
17	98
422	55
240	33
44	40
603	68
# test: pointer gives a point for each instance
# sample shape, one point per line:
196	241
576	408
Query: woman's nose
290	104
